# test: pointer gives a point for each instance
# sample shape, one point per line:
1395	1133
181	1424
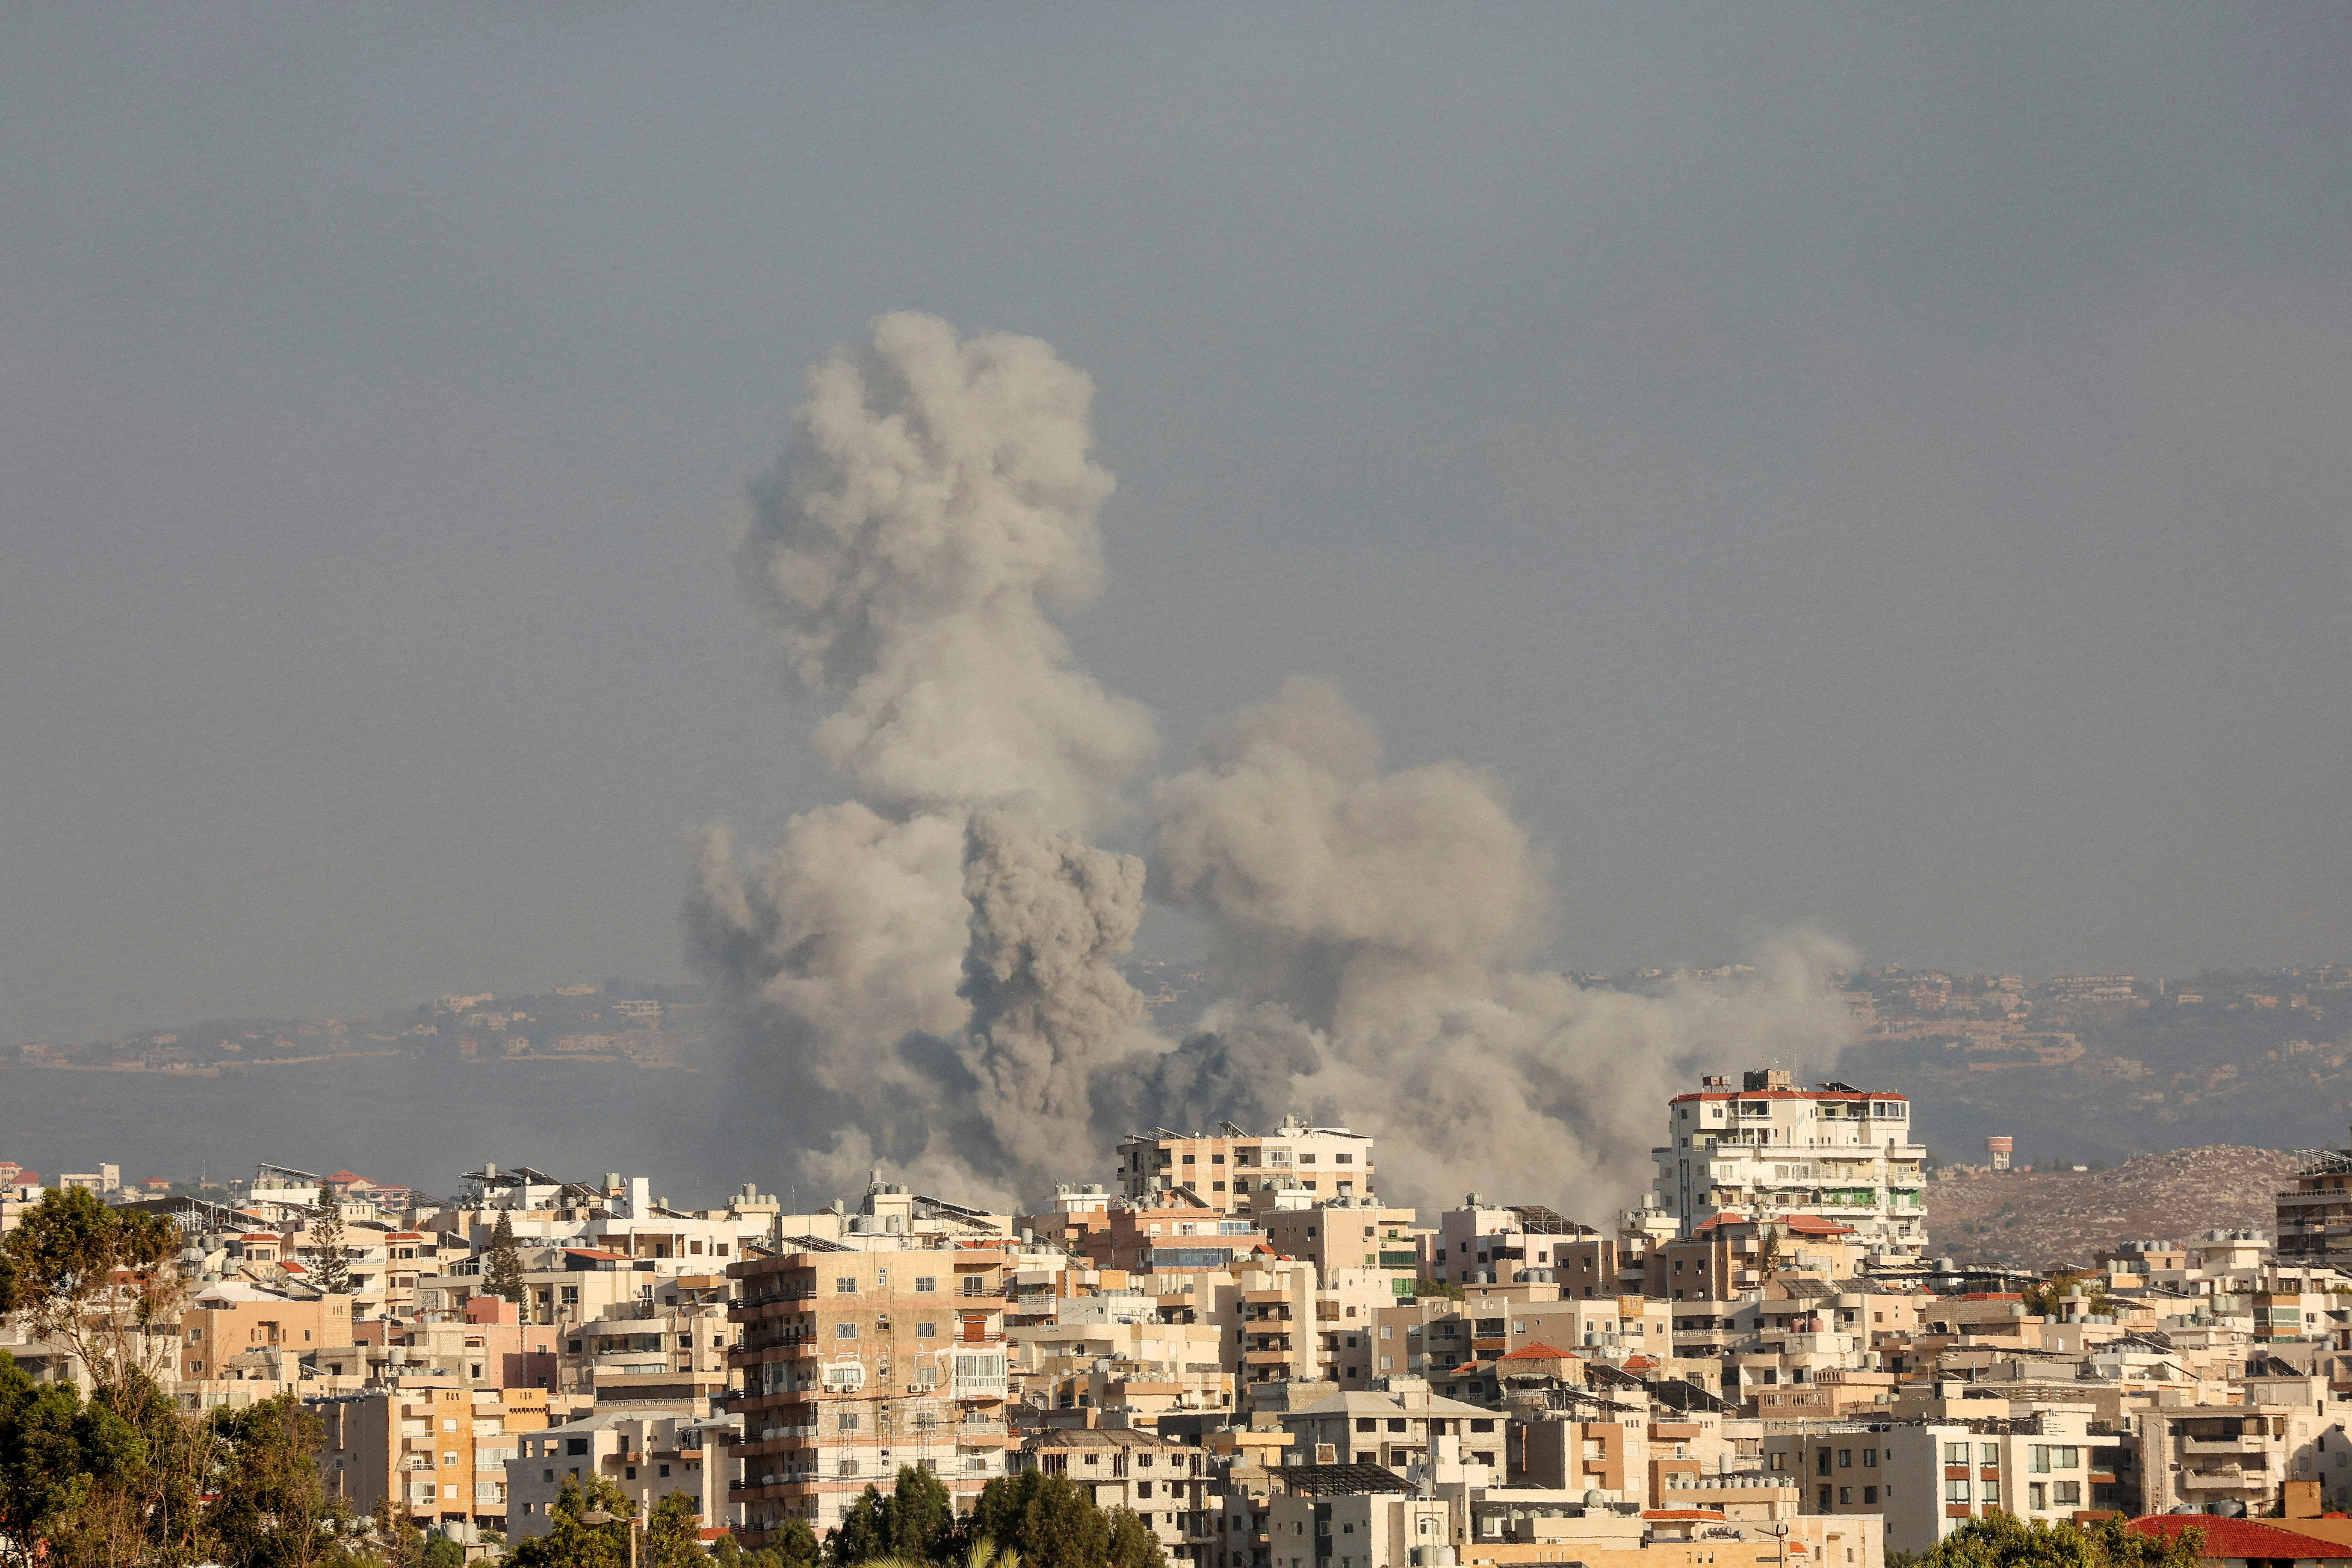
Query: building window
2067	1494
1825	1499
2037	1496
926	1284
1870	1459
1992	1492
1845	1458
1956	1453
1956	1490
845	1330
927	1330
845	1285
1869	1494
1845	1495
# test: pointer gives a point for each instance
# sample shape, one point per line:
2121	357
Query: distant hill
2041	1219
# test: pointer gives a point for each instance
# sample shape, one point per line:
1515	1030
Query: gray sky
1879	468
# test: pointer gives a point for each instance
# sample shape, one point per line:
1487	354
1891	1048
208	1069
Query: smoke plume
926	975
937	506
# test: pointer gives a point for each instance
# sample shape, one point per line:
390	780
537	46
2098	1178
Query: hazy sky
1883	467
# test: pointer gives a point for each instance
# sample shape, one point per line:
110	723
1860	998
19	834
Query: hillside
2042	1219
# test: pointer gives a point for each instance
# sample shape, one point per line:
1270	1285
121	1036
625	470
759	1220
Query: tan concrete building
438	1451
854	1363
226	1319
647	1454
1162	1483
1232	1170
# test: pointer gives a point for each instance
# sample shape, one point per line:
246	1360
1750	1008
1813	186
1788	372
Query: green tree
571	1544
2042	1300
915	1523
673	1533
502	1265
104	1283
2004	1541
793	1544
1053	1522
334	1271
272	1508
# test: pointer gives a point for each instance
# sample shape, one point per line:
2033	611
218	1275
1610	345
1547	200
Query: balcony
2225	1477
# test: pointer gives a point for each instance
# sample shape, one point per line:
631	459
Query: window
927	1330
1366	1423
1870	1459
2037	1494
845	1285
1821	1466
1992	1492
2066	1458
1956	1453
926	1284
1956	1492
576	1445
1869	1494
2037	1459
975	1285
1988	1455
1825	1499
1143	1488
1845	1458
1845	1495
845	1422
2067	1494
845	1330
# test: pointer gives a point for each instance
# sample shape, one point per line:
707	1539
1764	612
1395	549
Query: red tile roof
2238	1537
1538	1350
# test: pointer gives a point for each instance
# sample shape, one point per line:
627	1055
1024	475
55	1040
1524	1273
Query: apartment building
1180	1235
1352	1516
2315	1217
1392	1430
1355	1232
1128	1360
1234	1172
647	1454
1926	1478
1479	1243
2202	1454
856	1362
227	1320
439	1452
1164	1484
670	1344
1770	1150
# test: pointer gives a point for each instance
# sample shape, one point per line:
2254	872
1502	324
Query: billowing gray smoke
925	976
936	504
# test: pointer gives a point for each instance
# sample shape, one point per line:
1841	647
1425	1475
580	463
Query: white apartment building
1233	1172
647	1454
1926	1478
1770	1148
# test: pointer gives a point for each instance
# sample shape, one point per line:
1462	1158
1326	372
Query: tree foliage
2004	1541
502	1264
791	1545
571	1544
272	1511
334	1271
102	1282
915	1523
1053	1522
126	1479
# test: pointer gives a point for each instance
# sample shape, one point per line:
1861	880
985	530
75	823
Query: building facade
1770	1148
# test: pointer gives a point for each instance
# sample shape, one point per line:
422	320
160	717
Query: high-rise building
1770	1148
1294	1166
857	1362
